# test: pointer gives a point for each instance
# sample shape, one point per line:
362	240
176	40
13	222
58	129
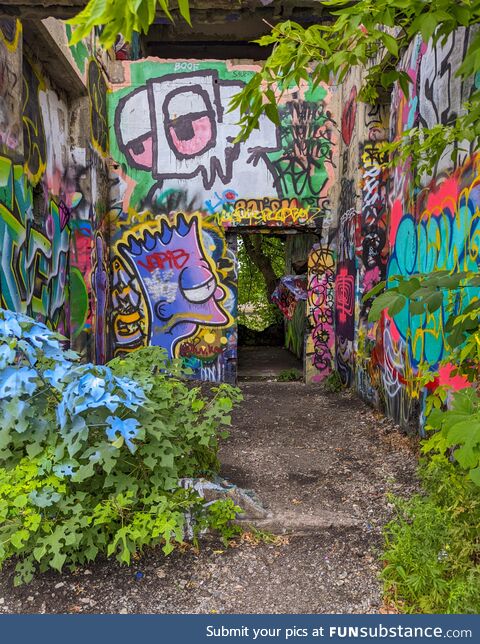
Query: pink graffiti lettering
168	259
344	294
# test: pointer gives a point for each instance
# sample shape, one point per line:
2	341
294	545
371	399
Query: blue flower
16	381
57	375
127	428
9	327
63	469
7	355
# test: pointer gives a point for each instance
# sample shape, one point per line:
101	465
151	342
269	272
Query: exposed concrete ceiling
219	26
213	9
225	29
67	8
41	8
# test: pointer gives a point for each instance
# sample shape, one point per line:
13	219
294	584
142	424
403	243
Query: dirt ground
322	464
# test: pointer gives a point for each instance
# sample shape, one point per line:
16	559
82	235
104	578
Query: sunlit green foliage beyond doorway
255	310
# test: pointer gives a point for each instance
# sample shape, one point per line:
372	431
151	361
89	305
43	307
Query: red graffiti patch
344	287
168	259
348	116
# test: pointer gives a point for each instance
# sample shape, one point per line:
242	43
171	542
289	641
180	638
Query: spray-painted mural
49	189
320	343
34	257
181	181
10	85
151	257
434	227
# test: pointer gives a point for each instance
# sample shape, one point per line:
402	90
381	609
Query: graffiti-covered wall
49	193
435	227
182	186
385	227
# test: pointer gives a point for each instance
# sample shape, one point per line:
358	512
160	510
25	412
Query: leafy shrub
432	546
333	382
90	458
289	375
181	423
458	431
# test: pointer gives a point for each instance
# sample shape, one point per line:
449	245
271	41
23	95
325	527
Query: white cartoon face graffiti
179	129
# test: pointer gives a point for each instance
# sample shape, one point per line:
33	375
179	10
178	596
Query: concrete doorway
272	317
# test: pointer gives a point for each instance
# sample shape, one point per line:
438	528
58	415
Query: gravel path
322	464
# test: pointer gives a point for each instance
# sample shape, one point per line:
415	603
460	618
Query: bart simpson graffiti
169	291
173	138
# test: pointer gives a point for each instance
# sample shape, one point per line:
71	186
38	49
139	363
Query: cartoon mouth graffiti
180	285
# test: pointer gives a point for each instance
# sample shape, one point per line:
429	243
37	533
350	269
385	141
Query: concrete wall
181	183
52	183
386	227
119	207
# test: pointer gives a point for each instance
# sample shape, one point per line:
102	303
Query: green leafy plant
183	424
364	33
289	375
221	517
459	425
333	382
256	311
123	18
90	459
457	431
372	36
432	546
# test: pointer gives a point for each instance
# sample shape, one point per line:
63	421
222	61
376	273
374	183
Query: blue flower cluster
32	360
91	386
128	430
22	342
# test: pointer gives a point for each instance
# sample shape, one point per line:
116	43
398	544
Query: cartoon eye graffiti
135	128
200	293
198	284
141	151
190	122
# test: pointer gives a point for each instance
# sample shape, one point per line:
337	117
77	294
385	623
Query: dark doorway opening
272	307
